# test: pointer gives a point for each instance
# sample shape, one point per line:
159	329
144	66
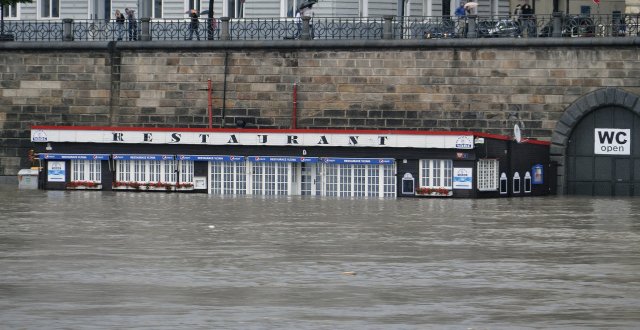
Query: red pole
295	106
210	105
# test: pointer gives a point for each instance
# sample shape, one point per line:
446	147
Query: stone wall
478	85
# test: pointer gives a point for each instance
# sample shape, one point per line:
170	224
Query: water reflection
96	260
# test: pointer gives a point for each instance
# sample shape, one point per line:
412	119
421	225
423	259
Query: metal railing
326	28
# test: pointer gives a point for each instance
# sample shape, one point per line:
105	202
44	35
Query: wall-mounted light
49	147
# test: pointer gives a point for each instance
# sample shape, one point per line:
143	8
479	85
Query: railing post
224	29
387	27
471	20
306	28
67	29
557	25
145	26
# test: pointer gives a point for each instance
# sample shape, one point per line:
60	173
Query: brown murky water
97	260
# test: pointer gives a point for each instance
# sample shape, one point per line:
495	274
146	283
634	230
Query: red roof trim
254	130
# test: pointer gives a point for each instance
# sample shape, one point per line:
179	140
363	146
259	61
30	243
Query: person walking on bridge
133	24
194	26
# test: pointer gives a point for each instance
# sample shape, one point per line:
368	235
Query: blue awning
211	158
143	157
283	159
48	156
332	160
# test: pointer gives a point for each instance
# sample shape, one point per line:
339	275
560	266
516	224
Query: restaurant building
345	163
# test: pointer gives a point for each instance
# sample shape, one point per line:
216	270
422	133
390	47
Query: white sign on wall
55	171
463	178
249	137
612	141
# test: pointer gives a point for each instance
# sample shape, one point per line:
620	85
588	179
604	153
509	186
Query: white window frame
140	171
153	8
41	14
86	170
436	173
374	180
226	10
516	183
504	180
527	182
155	171
427	8
270	178
388	178
310	172
169	171
487	170
363	8
284	7
186	171
9	10
192	4
123	170
228	178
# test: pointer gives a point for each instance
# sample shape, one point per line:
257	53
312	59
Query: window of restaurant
270	178
527	182
359	180
228	178
436	173
186	171
145	169
310	179
516	183
488	174
86	170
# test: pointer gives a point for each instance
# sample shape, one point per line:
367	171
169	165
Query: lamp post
210	21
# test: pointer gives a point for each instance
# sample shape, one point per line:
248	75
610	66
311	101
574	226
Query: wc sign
612	141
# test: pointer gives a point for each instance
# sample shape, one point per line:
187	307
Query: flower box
152	186
80	185
433	191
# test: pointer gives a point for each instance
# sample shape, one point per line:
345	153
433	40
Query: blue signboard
463	178
74	156
143	157
283	159
55	171
358	160
538	174
211	158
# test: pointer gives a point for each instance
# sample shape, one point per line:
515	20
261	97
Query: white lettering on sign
612	141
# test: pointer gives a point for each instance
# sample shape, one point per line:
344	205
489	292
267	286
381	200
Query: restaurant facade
340	163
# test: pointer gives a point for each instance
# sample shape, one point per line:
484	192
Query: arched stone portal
596	144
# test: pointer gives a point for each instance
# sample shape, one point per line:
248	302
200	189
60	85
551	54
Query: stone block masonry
473	85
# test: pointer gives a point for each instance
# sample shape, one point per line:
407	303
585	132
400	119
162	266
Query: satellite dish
516	133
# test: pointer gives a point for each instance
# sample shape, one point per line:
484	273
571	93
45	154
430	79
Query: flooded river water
104	260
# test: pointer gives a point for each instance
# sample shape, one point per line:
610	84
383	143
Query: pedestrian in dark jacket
194	26
133	23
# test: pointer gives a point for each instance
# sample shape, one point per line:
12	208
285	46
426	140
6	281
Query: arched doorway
596	144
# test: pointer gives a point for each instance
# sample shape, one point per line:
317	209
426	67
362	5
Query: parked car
505	28
483	27
439	32
572	26
435	30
